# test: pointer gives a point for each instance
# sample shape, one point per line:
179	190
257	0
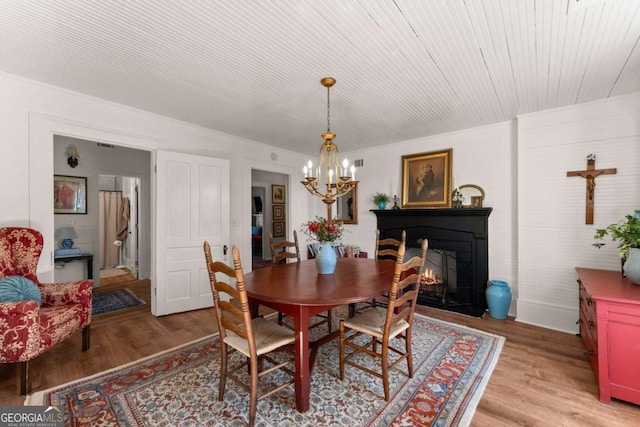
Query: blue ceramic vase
326	258
498	298
382	205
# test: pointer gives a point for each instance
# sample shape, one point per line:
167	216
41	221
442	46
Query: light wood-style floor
541	379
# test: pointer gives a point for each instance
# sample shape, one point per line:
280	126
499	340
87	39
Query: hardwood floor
541	379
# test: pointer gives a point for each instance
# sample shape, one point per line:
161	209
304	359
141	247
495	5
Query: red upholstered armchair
27	329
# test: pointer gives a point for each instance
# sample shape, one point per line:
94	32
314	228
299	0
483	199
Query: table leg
254	308
303	372
90	267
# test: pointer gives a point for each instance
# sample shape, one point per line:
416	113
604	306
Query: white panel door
192	206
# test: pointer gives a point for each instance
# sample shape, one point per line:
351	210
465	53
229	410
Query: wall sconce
72	156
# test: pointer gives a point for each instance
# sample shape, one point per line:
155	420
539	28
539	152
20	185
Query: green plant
380	198
626	232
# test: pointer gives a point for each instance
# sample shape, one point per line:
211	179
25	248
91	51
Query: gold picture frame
473	195
426	179
277	194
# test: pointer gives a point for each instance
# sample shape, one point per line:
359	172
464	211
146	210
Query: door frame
294	210
42	128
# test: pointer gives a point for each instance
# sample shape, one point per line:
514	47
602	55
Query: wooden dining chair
384	324
254	338
280	251
283	251
386	249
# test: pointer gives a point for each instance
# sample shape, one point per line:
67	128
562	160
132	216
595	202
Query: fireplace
457	267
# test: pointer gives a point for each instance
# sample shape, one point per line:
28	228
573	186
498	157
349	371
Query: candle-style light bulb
330	175
304	169
345	167
310	167
353	172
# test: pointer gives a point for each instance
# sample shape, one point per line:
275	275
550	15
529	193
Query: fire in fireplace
439	280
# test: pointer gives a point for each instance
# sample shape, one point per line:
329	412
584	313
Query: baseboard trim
548	316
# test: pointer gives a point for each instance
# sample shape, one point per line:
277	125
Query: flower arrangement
625	231
323	230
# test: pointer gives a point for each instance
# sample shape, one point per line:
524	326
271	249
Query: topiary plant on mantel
381	200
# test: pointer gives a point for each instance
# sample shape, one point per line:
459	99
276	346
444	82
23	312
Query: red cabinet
610	329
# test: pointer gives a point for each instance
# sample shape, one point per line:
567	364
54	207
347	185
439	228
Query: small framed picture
278	212
69	194
476	201
426	180
277	194
278	229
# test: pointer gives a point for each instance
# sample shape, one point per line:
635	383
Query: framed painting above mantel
426	179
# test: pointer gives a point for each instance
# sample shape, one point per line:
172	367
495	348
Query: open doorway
264	222
106	167
118	225
258	194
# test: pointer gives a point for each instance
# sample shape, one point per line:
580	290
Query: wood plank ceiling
404	68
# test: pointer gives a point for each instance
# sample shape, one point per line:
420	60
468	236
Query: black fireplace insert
457	268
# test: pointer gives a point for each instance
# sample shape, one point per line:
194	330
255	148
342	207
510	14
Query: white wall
553	236
31	113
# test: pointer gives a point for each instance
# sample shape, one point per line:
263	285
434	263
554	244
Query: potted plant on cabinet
381	200
627	233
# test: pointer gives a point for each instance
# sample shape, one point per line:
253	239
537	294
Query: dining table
297	290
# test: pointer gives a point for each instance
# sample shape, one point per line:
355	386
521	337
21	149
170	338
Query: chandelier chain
328	110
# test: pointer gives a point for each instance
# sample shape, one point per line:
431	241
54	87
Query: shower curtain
114	225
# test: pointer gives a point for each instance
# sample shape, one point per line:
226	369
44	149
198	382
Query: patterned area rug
118	299
180	388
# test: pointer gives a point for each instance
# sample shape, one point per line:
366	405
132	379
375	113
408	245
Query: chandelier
330	179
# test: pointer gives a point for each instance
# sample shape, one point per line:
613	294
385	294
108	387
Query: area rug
257	263
117	299
179	387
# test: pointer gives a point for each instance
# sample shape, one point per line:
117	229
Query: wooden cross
590	174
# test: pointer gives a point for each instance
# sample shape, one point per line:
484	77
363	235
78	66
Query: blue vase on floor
326	259
498	296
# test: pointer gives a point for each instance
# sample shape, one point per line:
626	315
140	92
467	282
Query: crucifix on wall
591	173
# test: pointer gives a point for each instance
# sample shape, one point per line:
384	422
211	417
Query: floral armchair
27	328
